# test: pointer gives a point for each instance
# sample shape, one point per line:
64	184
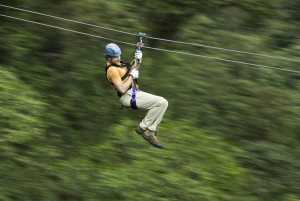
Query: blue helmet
112	50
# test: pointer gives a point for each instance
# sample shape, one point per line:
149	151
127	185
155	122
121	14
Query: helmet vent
112	51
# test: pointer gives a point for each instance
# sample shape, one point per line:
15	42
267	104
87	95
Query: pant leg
156	106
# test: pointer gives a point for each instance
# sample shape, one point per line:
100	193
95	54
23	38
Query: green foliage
231	131
273	165
23	144
177	172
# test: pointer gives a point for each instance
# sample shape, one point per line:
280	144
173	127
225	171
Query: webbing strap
133	96
127	65
133	100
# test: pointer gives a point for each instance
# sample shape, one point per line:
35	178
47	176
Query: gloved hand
134	73
138	55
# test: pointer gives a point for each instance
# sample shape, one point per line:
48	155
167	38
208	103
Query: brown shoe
151	137
139	130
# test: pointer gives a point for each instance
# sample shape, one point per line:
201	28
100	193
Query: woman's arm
122	87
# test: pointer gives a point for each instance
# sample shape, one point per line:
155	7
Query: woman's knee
164	102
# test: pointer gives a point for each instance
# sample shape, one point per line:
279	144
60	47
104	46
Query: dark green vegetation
231	131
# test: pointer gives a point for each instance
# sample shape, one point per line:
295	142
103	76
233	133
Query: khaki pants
156	106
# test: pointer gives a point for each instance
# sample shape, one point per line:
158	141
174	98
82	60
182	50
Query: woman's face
115	60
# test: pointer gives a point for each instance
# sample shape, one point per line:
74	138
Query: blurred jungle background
231	131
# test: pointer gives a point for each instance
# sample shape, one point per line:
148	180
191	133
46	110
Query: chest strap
123	65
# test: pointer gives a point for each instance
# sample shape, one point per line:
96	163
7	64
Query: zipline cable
224	49
60	18
227	60
173	41
66	29
197	55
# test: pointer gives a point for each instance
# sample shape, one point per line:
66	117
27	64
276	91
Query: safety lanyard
139	45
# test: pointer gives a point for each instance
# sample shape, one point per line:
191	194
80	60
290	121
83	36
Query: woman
122	79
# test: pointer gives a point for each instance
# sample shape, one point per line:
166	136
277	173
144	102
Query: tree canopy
231	131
